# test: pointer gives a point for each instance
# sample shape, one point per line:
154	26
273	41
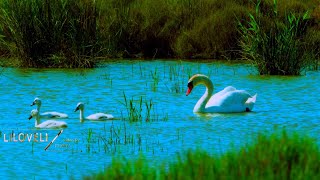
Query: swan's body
226	101
47	115
92	117
49	124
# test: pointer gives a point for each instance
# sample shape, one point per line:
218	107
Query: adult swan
226	101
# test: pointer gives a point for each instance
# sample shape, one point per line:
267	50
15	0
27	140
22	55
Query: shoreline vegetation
279	37
276	156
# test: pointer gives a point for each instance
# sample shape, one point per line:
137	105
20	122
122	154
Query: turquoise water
86	148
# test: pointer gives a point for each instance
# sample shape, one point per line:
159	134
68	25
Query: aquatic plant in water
275	50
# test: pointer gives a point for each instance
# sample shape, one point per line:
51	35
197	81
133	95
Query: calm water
86	148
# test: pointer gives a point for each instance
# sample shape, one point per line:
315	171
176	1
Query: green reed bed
115	137
141	110
50	33
71	33
273	40
108	139
278	156
176	77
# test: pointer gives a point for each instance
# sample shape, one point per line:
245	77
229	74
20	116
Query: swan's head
36	101
33	114
194	81
80	106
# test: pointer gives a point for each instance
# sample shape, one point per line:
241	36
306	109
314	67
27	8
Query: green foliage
71	33
51	33
141	110
278	156
214	35
275	43
134	110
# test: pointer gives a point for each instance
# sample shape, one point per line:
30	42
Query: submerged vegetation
279	156
76	33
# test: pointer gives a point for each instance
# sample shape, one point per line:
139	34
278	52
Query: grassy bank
279	156
70	33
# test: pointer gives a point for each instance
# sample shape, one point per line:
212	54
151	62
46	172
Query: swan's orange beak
190	87
189	91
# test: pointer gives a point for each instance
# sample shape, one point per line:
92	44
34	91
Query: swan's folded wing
218	97
100	116
224	91
53	115
229	98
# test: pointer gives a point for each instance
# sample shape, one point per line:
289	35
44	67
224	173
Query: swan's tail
252	99
250	102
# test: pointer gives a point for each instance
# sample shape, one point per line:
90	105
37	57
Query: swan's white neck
82	118
201	104
38	107
37	120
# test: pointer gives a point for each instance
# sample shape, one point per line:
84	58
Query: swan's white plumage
92	117
225	101
49	124
47	115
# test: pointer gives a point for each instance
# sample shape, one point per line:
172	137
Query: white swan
93	117
226	101
47	115
49	124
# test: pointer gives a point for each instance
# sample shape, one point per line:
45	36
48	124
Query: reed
275	47
155	79
51	33
71	33
142	110
134	110
89	139
275	156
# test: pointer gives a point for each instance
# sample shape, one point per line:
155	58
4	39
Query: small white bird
49	124
92	117
47	115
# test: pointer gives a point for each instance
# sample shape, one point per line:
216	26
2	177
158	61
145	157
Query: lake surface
170	128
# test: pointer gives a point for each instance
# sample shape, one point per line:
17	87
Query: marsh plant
134	110
276	156
275	46
75	33
155	79
50	33
107	140
141	110
176	78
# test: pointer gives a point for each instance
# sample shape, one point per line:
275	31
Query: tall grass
141	110
274	43
134	110
71	33
279	156
51	33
